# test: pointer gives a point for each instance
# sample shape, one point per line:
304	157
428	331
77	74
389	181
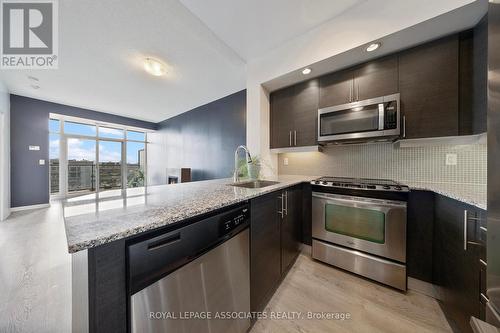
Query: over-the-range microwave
376	119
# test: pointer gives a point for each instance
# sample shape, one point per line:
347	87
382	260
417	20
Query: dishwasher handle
164	241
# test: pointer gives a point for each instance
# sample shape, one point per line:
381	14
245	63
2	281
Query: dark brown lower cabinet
290	228
274	241
456	260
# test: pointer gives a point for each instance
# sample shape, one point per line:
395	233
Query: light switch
41	162
34	147
285	161
451	159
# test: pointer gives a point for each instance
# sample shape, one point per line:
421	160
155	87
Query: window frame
63	151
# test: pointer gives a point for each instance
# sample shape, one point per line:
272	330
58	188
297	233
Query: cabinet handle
484	299
482	262
281	212
286	202
290	137
404	127
294	138
465	229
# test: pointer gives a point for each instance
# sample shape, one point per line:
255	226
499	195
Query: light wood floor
317	287
35	288
35	273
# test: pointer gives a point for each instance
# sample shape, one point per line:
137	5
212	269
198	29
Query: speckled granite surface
471	194
115	215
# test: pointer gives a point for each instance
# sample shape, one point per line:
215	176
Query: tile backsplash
385	160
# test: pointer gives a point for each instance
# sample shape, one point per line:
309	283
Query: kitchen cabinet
290	227
429	88
336	88
265	248
456	260
274	241
473	79
376	78
294	114
420	230
372	79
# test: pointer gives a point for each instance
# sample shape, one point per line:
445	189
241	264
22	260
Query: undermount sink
255	184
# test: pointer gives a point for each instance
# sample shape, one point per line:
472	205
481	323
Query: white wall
4	152
369	21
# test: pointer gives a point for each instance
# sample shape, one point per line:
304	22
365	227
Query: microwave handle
381	112
404	127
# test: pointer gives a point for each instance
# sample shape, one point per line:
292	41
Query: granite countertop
471	194
92	221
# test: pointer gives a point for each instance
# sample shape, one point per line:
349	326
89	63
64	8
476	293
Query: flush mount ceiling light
373	47
306	71
154	67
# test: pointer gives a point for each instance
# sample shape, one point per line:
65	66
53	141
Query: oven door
371	225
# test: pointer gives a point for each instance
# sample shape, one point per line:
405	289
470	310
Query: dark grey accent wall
29	126
203	139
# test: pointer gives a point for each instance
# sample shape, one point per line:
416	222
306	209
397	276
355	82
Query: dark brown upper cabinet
372	79
336	88
429	87
294	114
473	79
376	78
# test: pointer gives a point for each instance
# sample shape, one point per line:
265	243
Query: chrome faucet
236	176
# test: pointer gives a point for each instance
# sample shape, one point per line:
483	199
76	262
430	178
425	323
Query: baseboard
423	287
21	208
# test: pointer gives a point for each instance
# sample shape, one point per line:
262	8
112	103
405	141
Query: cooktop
361	183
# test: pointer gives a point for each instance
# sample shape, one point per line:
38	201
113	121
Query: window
88	157
136	136
54	149
112	133
79	129
136	162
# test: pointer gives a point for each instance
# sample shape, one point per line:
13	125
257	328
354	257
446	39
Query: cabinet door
428	83
282	117
336	88
455	270
305	114
376	78
265	250
290	228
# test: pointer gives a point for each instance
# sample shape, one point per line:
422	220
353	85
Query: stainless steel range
360	225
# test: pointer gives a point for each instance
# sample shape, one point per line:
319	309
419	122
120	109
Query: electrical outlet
285	161
451	159
41	162
36	148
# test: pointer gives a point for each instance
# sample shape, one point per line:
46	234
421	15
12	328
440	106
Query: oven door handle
377	205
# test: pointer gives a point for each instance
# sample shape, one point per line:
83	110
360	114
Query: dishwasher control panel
233	220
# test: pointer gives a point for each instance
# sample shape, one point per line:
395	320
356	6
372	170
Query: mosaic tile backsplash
385	160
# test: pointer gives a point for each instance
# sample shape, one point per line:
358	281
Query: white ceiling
206	44
253	27
102	44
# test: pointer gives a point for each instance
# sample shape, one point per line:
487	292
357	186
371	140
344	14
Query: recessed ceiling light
154	67
373	47
306	71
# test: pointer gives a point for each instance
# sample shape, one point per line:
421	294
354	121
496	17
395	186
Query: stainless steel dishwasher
194	278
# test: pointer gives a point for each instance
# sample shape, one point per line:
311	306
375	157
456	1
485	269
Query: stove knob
325	183
398	188
316	182
386	187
